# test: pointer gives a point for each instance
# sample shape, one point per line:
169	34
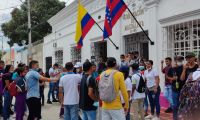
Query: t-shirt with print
150	75
128	83
85	102
54	72
135	81
32	82
165	71
69	83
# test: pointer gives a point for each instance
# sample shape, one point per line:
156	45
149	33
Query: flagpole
117	48
152	43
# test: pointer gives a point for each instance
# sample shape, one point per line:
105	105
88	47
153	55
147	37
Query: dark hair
93	64
39	70
168	58
7	68
136	52
87	66
111	62
56	65
150	61
125	71
69	66
131	53
122	55
1	62
20	70
135	66
33	62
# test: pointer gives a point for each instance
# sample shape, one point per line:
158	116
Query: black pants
42	94
1	104
34	106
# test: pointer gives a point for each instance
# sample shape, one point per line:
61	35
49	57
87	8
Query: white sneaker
156	118
149	117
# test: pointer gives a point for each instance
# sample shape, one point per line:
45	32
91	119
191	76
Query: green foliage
41	10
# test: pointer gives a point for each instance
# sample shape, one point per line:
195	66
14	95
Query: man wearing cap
190	66
174	75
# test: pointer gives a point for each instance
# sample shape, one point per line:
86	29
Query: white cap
78	65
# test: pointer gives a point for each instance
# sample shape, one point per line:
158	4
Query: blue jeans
146	104
176	102
51	91
154	100
71	112
168	94
89	115
7	103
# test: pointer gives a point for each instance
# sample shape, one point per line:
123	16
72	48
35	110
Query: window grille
181	38
75	55
59	57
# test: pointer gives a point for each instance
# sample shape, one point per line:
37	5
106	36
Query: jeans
176	102
71	112
34	106
138	113
168	94
146	104
89	115
113	114
7	104
51	91
154	100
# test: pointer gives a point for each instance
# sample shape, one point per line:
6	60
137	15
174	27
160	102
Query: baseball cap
78	65
190	55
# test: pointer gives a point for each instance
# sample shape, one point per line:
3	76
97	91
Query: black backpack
142	85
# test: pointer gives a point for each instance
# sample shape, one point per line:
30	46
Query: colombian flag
84	24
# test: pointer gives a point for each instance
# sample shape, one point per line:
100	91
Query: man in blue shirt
33	93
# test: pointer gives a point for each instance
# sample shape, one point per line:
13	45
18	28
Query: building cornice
149	3
180	16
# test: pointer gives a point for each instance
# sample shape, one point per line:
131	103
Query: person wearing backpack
190	96
87	93
138	93
21	96
7	79
111	82
153	90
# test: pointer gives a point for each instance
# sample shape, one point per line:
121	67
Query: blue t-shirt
32	81
15	76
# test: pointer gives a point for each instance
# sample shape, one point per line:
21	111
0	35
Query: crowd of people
108	90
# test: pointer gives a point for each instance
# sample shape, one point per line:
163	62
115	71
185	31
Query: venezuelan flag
84	24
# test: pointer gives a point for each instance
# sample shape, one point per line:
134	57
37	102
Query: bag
13	88
142	85
107	90
95	89
190	100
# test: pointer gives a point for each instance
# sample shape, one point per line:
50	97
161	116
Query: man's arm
91	94
123	90
61	95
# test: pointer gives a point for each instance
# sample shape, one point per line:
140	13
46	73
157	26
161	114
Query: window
59	57
181	38
75	55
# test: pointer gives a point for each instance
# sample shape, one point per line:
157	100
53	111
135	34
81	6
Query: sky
6	7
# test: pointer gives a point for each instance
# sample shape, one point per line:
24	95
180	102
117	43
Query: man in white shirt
69	86
137	98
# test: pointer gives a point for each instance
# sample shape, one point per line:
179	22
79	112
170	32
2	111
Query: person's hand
174	78
125	111
186	66
162	62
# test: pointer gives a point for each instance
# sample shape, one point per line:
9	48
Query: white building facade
173	26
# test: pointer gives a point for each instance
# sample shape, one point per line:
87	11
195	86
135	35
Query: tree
41	10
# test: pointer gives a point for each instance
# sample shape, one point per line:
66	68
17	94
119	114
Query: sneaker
149	117
55	100
49	102
169	110
156	118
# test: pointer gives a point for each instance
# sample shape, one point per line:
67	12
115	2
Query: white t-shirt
150	77
70	84
135	81
128	87
196	74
